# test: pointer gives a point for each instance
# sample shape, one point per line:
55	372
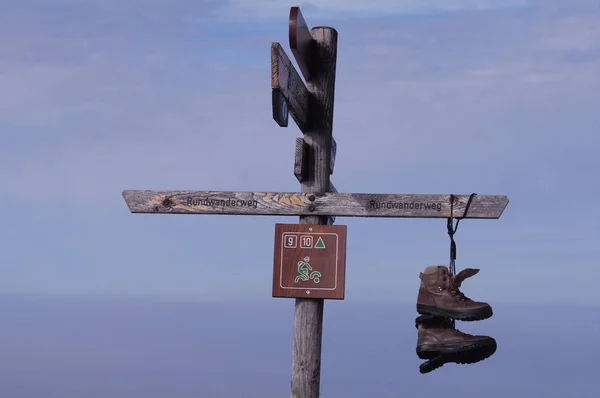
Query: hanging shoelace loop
452	230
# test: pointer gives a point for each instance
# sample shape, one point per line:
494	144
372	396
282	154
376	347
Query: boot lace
454	290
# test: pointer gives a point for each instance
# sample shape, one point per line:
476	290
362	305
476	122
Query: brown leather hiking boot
439	294
440	343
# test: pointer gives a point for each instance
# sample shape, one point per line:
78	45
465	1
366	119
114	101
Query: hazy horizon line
165	299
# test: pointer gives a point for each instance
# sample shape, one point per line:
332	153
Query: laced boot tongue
459	278
456	280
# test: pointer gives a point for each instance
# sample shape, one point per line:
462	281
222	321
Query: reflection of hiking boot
439	294
440	343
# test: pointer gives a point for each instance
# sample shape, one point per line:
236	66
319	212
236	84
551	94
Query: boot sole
463	353
478	314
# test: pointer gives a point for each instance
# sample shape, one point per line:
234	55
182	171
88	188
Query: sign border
337	259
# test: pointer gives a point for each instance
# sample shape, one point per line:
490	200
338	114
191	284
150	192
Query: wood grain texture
301	41
300	159
324	204
332	188
308	314
285	80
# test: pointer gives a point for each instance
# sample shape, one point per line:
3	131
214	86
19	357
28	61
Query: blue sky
455	96
492	97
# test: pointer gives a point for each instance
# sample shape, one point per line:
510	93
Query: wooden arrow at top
301	41
315	204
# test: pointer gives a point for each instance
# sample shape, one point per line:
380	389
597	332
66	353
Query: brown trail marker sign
316	264
309	261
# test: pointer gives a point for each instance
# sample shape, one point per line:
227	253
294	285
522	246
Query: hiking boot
439	295
440	343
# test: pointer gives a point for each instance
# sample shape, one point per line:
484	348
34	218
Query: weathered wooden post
321	248
316	54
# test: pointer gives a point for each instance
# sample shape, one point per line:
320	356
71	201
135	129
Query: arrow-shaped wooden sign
315	204
301	41
289	91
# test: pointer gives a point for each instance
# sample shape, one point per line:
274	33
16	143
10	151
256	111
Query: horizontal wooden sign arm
320	204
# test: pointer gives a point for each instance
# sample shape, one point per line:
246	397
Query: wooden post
308	313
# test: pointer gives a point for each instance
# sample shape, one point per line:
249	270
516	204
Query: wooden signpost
310	257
